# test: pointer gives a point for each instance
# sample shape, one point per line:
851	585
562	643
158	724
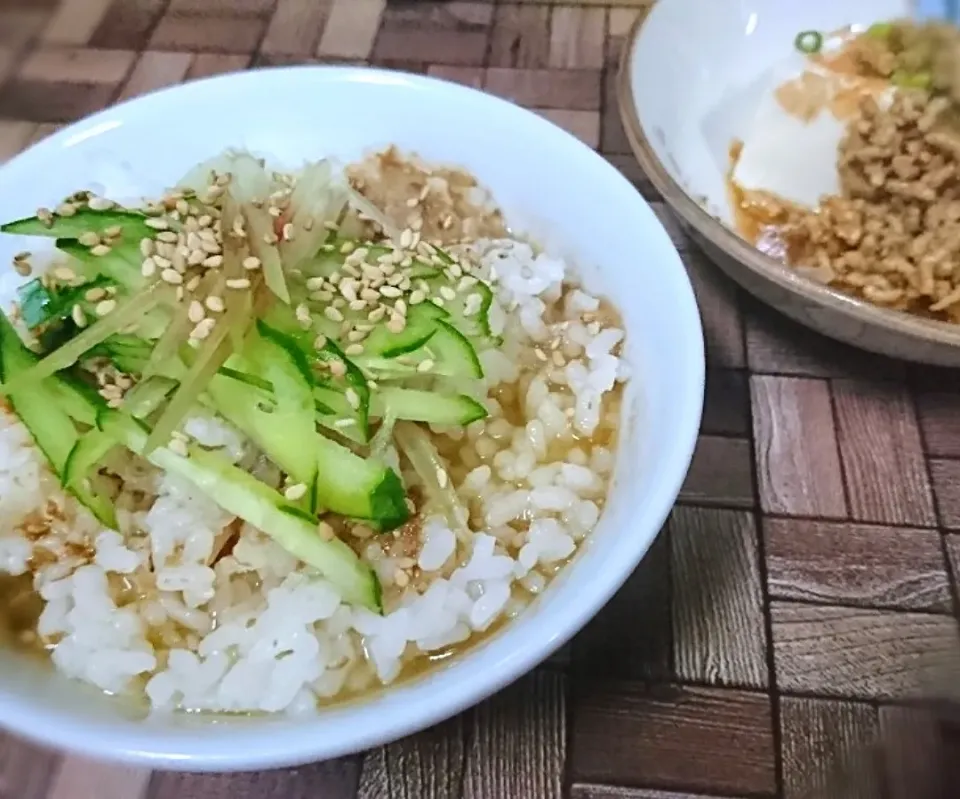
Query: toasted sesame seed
94	294
347	247
89	239
338	368
215	303
238	283
205	221
448	293
210	247
400	307
354	349
288	233
167	236
195	312
406	238
171	276
213	262
66	209
157	223
320	342
78	316
397	324
352	397
425	365
416	297
358	305
161	262
356	335
178	447
183	207
270	238
332	314
196	258
377	314
100	250
391	292
193	283
251	262
413	202
203	329
104	307
315	283
22	267
64	273
149	267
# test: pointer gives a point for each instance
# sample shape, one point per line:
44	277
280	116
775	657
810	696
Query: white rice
155	614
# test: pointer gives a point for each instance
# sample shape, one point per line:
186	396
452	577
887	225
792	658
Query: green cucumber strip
39	407
87	452
243	495
285	367
453	353
85	220
148	395
126	314
121	264
414	405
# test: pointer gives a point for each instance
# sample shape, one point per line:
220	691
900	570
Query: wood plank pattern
798	473
719	635
882	455
827	749
839	651
800	600
856	565
625	735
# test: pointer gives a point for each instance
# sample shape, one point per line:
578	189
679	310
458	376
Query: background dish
593	219
681	125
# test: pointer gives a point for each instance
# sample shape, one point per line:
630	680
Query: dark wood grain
520	37
719	302
718	623
440	33
945	476
778	345
613	137
585	791
856	564
44	101
577	37
798	463
939	412
517	741
429	764
851	652
296	27
828	749
631	638
632	171
336	779
882	457
721	473
913	754
546	88
692	739
128	24
199	33
726	404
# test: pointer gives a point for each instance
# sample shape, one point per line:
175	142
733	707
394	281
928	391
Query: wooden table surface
805	586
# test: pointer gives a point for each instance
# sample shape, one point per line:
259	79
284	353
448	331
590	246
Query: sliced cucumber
245	496
40	406
414	405
86	220
121	264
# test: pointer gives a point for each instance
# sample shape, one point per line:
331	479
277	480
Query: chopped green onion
809	42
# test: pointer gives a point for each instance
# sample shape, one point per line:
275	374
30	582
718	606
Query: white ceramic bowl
550	185
690	82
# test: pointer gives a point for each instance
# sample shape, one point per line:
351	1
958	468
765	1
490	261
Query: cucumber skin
84	220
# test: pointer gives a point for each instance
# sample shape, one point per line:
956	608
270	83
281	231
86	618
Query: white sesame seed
352	397
203	329
78	316
392	292
99	204
89	239
149	267
320	342
406	238
270	238
338	368
295	492
448	293
356	334
354	349
442	478
178	447
377	314
195	312
193	283
303	314
251	262
64	273
315	283
210	247
332	314
397	324
94	294
196	257
347	247
425	365
167	236
205	221
171	276
400	307
66	209
358	305
413	202
416	297
161	262
183	208
104	307
238	283
213	262
288	233
156	222
214	304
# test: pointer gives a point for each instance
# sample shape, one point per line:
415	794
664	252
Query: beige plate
677	133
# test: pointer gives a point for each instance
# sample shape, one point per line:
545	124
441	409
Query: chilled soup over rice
275	439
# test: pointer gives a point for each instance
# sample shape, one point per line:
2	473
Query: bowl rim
756	262
408	707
